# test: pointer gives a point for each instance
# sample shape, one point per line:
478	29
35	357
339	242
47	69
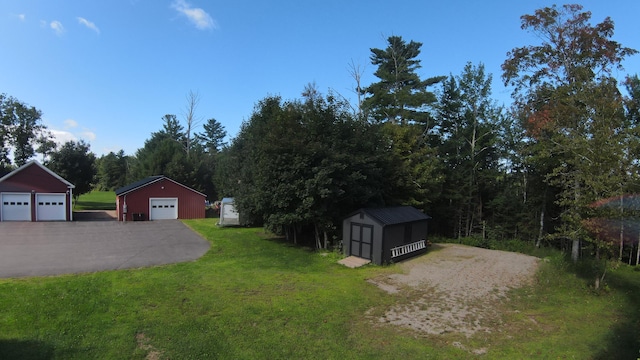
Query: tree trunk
542	214
541	229
638	251
575	247
295	234
317	234
575	250
459	223
621	227
193	98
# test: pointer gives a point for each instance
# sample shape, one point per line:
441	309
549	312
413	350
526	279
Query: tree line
535	170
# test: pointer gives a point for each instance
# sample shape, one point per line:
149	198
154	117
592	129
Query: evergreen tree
401	102
400	97
212	137
113	170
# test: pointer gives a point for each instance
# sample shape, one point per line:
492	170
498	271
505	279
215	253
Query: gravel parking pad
455	288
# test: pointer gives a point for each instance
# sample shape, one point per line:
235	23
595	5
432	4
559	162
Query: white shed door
51	207
16	207
163	208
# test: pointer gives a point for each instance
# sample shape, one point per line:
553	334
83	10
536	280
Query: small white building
229	216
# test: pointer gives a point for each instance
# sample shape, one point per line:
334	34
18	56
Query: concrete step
353	262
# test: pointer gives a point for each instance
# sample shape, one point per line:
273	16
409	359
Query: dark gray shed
383	235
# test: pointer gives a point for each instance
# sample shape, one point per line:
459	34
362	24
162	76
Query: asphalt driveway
54	248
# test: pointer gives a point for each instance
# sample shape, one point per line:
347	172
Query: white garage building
34	193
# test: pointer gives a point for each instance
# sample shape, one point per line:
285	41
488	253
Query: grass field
255	297
96	200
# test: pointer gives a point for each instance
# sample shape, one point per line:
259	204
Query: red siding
190	203
34	179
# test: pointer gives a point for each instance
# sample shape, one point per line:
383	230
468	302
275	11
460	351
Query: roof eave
151	181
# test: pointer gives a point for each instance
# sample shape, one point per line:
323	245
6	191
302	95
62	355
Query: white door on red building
163	208
16	207
51	207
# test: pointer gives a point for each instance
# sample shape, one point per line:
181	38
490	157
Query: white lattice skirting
408	248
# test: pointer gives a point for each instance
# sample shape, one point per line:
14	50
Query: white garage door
163	208
51	207
16	207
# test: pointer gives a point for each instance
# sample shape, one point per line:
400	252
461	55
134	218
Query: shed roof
395	215
36	163
147	181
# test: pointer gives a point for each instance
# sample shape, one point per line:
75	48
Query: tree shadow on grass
623	341
25	349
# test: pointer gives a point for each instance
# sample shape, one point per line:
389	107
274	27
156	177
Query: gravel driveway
453	288
54	248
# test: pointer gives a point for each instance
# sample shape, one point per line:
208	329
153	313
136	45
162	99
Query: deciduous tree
573	107
298	166
21	125
77	164
469	122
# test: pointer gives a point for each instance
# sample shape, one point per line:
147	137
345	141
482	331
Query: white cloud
57	27
88	135
61	136
200	18
70	123
88	24
21	17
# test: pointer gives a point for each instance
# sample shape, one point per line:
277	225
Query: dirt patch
143	343
454	289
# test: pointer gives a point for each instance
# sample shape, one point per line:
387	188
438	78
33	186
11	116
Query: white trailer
229	216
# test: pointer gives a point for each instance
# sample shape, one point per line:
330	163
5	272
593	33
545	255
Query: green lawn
96	200
254	297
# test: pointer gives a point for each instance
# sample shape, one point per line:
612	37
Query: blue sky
107	71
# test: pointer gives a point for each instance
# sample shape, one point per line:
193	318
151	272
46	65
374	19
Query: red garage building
158	198
34	193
